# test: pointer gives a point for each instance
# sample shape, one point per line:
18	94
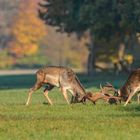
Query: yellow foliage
19	50
114	59
27	30
127	57
31	49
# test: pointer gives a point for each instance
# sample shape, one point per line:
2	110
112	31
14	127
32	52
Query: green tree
105	20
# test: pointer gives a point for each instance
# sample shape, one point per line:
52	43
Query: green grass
62	122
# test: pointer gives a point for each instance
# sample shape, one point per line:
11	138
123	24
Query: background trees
27	30
7	10
25	42
65	50
106	20
109	28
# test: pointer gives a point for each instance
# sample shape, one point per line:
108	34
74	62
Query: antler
109	84
101	87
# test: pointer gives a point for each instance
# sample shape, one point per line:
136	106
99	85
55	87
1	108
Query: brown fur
56	76
131	86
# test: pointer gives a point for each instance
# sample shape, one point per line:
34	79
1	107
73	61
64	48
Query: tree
27	30
105	19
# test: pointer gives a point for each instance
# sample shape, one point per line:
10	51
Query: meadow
39	121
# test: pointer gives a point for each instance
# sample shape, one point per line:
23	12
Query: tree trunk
91	57
121	66
121	51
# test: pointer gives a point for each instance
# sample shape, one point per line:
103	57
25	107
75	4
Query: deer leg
138	96
129	98
47	97
72	99
64	91
36	86
46	91
73	96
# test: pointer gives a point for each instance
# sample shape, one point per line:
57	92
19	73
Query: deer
57	76
131	87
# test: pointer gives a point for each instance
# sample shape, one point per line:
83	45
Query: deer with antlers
57	76
130	88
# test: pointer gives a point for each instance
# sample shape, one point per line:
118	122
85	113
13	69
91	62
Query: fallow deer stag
57	76
131	87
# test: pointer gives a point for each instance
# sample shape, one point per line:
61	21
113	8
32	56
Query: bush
6	61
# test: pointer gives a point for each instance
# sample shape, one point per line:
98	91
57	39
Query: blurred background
86	35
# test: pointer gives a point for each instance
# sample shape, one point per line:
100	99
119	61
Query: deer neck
79	87
80	90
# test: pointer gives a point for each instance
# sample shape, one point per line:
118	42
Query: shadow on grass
132	108
16	81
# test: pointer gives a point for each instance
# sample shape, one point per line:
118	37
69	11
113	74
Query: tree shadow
131	108
16	81
27	81
98	78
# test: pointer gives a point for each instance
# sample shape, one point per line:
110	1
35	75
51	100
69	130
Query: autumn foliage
27	30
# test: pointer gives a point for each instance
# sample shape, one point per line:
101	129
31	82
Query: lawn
40	121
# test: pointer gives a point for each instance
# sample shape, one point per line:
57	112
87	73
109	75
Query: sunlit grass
61	121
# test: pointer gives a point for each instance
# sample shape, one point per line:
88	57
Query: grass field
62	122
